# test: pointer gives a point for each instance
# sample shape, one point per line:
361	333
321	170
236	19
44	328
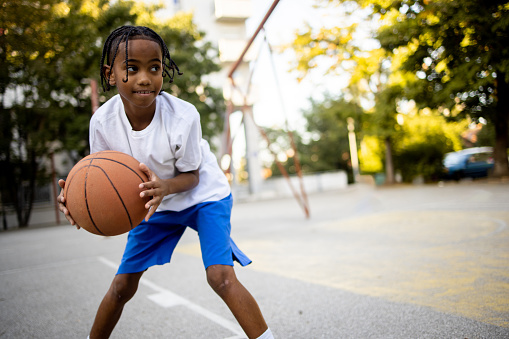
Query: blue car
474	162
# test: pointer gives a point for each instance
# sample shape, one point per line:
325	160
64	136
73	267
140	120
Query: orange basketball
102	193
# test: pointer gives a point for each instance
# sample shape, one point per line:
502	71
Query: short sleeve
187	144
96	138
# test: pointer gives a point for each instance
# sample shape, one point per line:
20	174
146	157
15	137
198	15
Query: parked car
476	162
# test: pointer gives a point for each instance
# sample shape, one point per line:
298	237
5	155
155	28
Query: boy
187	187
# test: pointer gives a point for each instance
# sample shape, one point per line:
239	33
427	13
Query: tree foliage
458	52
450	56
49	53
423	142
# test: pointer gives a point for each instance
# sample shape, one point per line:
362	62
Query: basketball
102	193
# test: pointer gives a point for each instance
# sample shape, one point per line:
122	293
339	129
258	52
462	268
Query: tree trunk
389	163
501	122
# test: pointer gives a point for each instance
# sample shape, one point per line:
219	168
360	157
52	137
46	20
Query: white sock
266	335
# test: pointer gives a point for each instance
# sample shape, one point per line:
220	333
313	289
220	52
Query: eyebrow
135	60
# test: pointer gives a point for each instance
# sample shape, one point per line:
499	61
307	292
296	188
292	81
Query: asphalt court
412	261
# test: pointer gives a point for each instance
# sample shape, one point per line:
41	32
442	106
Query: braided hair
124	34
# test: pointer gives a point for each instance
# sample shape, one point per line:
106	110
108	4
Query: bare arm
158	188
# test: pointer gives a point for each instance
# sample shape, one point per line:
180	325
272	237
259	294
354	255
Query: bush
420	159
421	149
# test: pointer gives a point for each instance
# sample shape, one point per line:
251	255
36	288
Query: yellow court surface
454	263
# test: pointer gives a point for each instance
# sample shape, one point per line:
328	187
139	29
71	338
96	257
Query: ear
108	72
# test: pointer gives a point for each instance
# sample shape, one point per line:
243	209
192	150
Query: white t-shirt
171	144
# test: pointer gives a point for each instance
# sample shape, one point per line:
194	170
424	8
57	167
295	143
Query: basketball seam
67	187
116	191
120	163
86	200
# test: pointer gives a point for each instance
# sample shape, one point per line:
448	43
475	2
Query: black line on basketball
118	162
121	163
118	194
86	200
68	183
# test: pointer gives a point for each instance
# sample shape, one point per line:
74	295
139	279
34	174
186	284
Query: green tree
49	51
41	88
452	57
459	52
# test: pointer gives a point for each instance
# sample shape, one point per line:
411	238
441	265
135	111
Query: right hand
61	204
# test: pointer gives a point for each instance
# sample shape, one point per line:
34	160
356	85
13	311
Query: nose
143	78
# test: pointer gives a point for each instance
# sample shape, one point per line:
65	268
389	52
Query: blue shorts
153	242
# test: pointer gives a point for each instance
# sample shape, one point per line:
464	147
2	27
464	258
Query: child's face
144	69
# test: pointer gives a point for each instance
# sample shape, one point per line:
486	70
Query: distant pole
54	185
94	96
4	212
353	148
252	156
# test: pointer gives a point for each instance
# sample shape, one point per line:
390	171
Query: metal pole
353	148
250	42
94	96
54	185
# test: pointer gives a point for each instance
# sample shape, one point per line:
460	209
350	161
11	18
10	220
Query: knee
123	288
221	278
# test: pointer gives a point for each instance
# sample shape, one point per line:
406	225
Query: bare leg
241	303
122	289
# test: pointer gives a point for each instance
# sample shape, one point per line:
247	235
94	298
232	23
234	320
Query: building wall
224	23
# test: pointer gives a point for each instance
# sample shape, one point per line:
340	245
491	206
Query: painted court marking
165	298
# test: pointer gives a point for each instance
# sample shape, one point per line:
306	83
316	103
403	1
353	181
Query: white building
224	22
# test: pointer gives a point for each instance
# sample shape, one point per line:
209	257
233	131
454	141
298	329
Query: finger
61	183
151	204
67	215
71	220
151	210
148	185
144	168
150	193
150	213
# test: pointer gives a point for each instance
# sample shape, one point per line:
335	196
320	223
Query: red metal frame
227	149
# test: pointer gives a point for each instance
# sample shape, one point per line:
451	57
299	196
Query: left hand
156	188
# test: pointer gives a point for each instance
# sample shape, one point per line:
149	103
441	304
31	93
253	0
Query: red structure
301	196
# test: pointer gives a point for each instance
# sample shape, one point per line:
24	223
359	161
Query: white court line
166	298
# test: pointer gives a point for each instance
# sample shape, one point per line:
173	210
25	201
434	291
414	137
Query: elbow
196	175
